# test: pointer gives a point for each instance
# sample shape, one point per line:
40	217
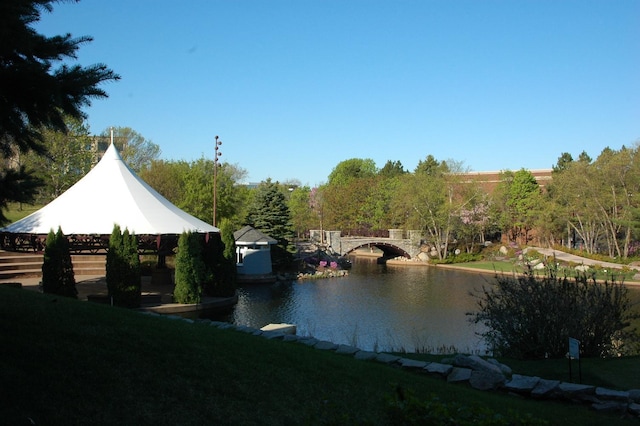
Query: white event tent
111	193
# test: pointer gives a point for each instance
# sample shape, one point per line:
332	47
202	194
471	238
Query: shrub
123	269
57	268
190	269
533	317
220	271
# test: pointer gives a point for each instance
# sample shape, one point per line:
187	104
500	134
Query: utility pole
216	156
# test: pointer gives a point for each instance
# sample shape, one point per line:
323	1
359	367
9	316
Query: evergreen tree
123	269
190	269
57	268
270	214
226	233
34	94
220	274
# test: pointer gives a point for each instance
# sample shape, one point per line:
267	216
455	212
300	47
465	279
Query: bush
533	317
190	269
220	274
123	269
57	268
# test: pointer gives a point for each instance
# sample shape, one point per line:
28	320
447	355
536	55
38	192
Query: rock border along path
481	374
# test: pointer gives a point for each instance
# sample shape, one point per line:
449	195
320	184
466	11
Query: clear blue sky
294	87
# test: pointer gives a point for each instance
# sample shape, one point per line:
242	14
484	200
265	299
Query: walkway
567	257
97	285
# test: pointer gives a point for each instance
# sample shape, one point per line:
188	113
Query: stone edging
481	374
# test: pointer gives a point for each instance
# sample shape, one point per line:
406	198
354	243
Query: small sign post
574	353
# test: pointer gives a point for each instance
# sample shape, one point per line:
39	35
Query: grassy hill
70	362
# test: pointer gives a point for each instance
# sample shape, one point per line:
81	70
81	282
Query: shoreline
457	267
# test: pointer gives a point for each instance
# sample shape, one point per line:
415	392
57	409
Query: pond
376	307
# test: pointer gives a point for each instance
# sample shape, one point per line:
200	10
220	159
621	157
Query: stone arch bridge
393	246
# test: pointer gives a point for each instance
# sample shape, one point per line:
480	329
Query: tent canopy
111	193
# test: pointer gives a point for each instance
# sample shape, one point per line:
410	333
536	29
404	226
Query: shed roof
250	235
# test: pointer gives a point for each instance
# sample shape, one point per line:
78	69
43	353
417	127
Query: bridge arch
388	250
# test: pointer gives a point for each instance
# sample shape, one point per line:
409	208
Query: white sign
574	348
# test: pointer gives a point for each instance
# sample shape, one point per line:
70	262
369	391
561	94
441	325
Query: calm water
376	307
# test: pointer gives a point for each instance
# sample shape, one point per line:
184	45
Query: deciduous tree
137	151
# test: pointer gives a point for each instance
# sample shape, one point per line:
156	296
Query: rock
411	363
365	355
459	374
634	408
387	358
506	370
311	341
346	350
576	391
437	368
272	334
610	407
325	345
522	384
634	395
608	394
545	388
476	363
486	380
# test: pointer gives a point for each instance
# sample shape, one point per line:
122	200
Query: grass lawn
510	267
69	362
17	211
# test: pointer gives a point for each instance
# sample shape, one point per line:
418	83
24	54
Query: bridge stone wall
396	243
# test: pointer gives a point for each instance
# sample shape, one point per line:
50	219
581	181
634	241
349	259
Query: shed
253	255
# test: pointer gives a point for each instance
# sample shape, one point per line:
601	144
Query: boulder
486	380
634	408
387	358
411	363
311	341
545	388
575	391
612	395
325	345
610	407
272	334
506	370
522	384
365	355
476	363
439	369
346	350
459	374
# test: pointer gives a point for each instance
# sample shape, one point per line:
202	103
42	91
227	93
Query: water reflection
376	307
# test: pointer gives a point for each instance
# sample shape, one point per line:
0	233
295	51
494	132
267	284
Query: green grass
16	211
509	267
69	362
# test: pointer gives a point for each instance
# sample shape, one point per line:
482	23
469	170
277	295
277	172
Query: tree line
589	204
